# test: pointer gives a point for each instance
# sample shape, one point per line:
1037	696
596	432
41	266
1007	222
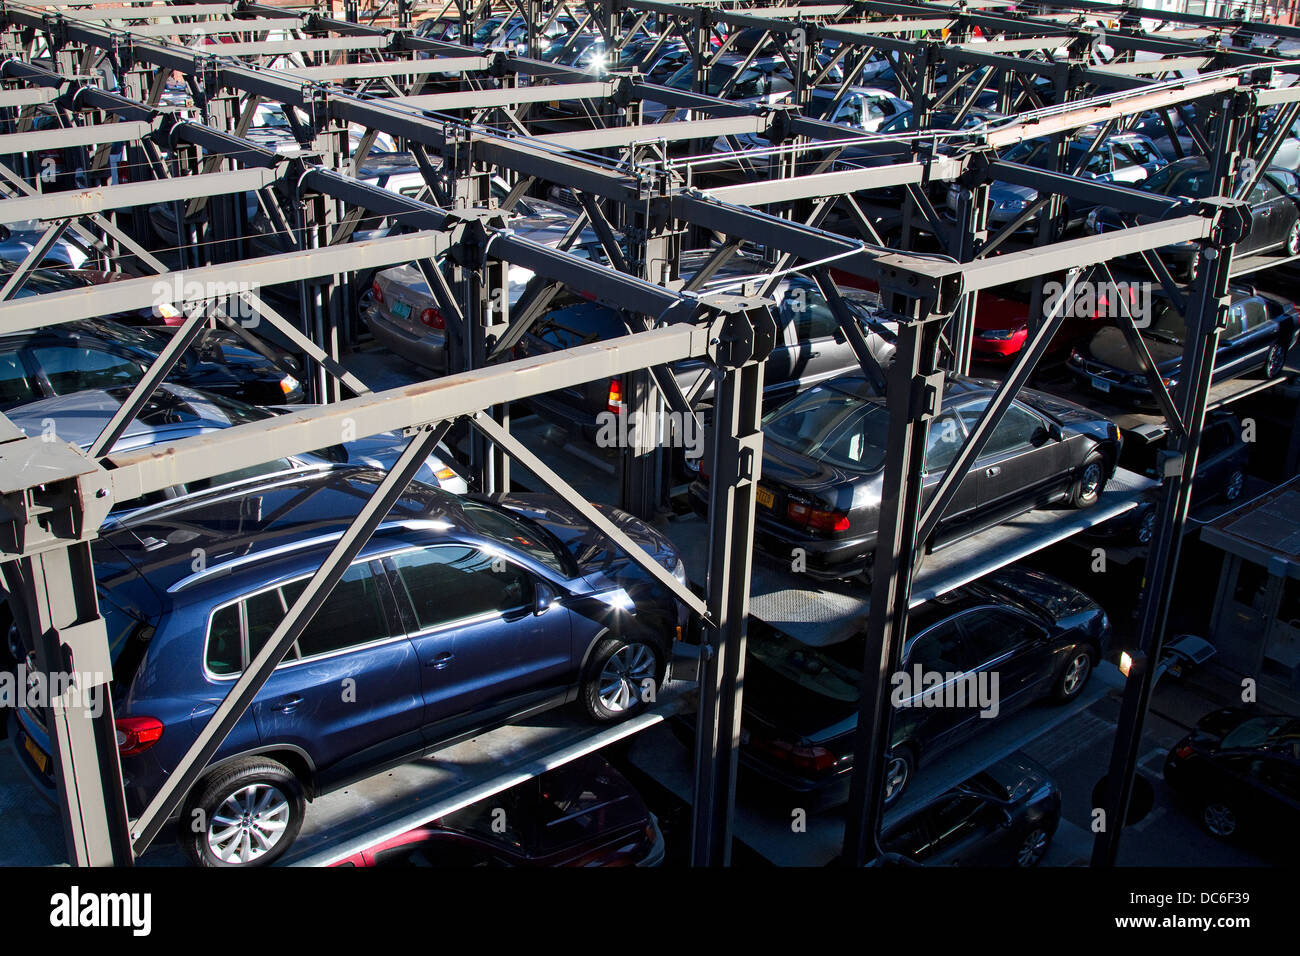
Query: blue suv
459	615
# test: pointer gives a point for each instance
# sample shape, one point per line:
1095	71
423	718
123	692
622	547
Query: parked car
174	413
1274	209
98	353
1041	637
1002	320
1005	815
763	80
17	239
402	314
583	813
1124	159
1240	770
823	459
809	344
458	615
1220	475
1260	331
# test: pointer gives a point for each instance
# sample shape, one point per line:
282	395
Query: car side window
807	310
944	441
15	387
991	632
1264	191
1017	428
1099	162
1236	322
940	649
352	616
76	368
453	582
1254	314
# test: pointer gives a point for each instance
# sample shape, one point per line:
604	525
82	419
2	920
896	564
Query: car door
945	439
935	664
348	692
1270	221
476	631
962	828
1020	464
817	354
17	385
1215	459
1012	651
1233	354
1259	333
76	366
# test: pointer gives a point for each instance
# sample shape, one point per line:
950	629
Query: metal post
915	389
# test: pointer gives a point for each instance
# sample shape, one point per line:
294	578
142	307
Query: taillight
377	291
807	516
801	756
433	318
615	404
1184	751
137	734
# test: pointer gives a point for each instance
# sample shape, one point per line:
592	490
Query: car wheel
1219	819
1293	240
1033	847
898	771
1232	490
1090	483
1275	361
1193	267
246	814
617	676
1075	673
1146	527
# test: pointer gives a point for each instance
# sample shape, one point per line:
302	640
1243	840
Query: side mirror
1007	820
1055	432
544	598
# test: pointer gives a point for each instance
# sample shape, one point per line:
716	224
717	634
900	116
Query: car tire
614	687
899	766
1146	526
1033	847
1074	674
1220	820
1275	361
1232	487
1091	482
264	802
1292	247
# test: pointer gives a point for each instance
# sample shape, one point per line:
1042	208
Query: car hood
1109	347
1018	775
594	553
1003	192
1218	723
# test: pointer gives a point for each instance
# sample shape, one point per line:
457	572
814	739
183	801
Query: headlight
1075	357
1092	221
679	572
444	474
999	334
288	384
1011	205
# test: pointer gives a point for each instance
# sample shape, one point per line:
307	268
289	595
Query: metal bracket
926	397
469	232
744	332
1169	463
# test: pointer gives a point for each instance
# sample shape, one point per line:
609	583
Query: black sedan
100	354
1005	815
1274	208
1220	474
974	656
1257	338
823	460
1241	771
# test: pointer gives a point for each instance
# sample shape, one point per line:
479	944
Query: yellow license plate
37	754
765	497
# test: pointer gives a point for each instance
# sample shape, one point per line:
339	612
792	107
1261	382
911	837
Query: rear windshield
831	426
578	322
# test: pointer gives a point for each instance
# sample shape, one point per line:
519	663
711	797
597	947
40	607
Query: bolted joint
499	65
315	103
742	331
780	117
469	233
925	397
1232	219
976	172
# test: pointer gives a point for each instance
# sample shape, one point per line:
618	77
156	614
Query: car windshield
1168	325
1039	154
831	426
1193	183
40	281
749	84
519	534
1260	731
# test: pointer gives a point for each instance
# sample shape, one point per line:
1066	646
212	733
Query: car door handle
286	705
993	471
441	660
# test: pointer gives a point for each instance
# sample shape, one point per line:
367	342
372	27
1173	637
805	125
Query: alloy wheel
1233	489
249	823
1219	819
1090	481
1076	673
896	773
1033	848
624	674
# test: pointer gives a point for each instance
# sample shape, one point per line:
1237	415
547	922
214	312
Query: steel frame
624	179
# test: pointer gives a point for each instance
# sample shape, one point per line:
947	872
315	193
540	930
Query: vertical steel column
916	391
924	64
737	458
972	232
53	594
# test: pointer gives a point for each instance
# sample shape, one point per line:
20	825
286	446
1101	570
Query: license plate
401	309
37	754
765	498
1100	384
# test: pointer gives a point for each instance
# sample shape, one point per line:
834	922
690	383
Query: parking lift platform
378	808
826	612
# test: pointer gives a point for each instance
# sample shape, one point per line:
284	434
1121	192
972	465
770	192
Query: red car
581	814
